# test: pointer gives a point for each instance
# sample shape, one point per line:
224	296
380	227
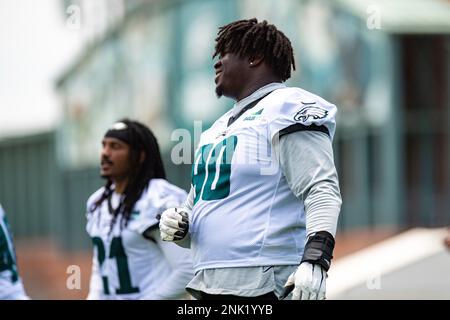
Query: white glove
174	224
310	282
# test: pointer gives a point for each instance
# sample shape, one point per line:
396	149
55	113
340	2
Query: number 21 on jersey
117	251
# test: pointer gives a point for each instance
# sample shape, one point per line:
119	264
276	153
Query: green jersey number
116	251
7	255
212	169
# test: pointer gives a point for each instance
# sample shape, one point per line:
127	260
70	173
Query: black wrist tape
319	249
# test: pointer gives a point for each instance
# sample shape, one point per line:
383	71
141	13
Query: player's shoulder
298	109
162	188
2	213
159	195
294	96
95	196
300	106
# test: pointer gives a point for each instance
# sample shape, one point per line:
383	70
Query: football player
11	287
264	203
130	260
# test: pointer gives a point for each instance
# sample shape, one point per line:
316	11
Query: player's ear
255	61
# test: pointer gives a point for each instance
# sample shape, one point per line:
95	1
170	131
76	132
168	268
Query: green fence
27	184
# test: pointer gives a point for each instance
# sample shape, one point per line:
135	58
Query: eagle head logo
310	111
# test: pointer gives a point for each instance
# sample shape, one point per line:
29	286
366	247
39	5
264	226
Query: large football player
262	212
11	287
130	259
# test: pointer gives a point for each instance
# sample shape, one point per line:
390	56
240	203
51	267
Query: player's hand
309	282
174	224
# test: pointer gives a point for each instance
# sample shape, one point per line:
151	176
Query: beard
219	92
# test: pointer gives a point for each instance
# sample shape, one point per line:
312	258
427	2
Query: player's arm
174	222
180	261
306	159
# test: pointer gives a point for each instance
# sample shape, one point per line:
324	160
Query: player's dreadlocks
140	138
250	38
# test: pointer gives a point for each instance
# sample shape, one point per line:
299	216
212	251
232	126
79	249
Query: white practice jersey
244	213
11	287
128	265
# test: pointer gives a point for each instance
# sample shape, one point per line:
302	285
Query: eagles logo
310	111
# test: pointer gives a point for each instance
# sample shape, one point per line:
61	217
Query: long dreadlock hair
141	139
250	38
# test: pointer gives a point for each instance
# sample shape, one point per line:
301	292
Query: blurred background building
385	64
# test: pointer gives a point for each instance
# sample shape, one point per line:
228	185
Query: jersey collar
238	106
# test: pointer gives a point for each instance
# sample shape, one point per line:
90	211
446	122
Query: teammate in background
11	287
264	203
130	259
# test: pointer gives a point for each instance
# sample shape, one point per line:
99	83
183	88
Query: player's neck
256	84
120	185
